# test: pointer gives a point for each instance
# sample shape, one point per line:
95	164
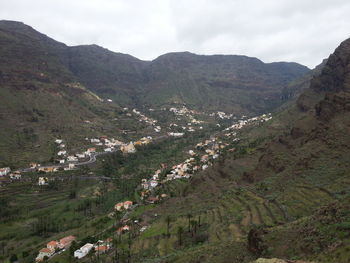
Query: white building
60	153
43	181
80	155
83	251
58	141
72	158
4	171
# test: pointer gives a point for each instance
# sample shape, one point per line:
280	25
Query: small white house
83	251
62	161
4	171
61	153
58	141
43	181
108	149
72	158
80	155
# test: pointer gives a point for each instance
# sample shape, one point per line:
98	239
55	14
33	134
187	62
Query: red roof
101	248
45	250
67	239
52	244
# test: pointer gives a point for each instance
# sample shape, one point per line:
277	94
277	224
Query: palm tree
180	231
189	216
194	226
168	219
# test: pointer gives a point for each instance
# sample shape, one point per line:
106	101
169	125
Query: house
34	165
101	249
91	150
15	176
152	199
62	161
43	181
119	206
123	205
176	134
66	241
52	245
47	169
72	158
61	153
127	204
44	252
62	146
108	149
95	140
71	166
83	251
153	183
80	155
129	148
138	143
58	141
4	171
123	229
191	152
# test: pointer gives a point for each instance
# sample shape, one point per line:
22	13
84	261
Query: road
92	159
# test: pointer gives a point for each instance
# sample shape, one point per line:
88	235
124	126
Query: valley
186	158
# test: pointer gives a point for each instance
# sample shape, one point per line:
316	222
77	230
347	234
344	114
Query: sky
303	31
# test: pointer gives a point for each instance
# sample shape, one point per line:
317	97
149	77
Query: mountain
51	90
282	191
237	84
41	99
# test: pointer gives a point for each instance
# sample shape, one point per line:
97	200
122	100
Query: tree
189	216
168	220
13	258
194	224
180	231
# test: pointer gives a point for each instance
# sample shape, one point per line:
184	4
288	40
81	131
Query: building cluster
123	206
148	120
7	176
100	247
222	115
210	148
109	144
53	247
243	122
189	114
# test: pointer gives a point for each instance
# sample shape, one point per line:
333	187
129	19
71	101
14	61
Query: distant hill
237	84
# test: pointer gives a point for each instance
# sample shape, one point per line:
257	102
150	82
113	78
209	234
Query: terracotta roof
101	248
67	239
45	250
52	243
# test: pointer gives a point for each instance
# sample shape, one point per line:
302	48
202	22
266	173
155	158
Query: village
200	157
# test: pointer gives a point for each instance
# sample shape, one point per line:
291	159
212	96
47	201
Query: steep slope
237	84
41	99
282	193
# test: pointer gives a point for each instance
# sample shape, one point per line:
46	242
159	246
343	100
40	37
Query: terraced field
232	215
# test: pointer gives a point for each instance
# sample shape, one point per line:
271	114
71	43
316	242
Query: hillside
283	193
51	90
42	100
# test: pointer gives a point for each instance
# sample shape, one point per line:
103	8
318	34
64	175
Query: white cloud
304	31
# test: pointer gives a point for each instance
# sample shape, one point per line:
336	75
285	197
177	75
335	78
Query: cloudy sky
305	31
